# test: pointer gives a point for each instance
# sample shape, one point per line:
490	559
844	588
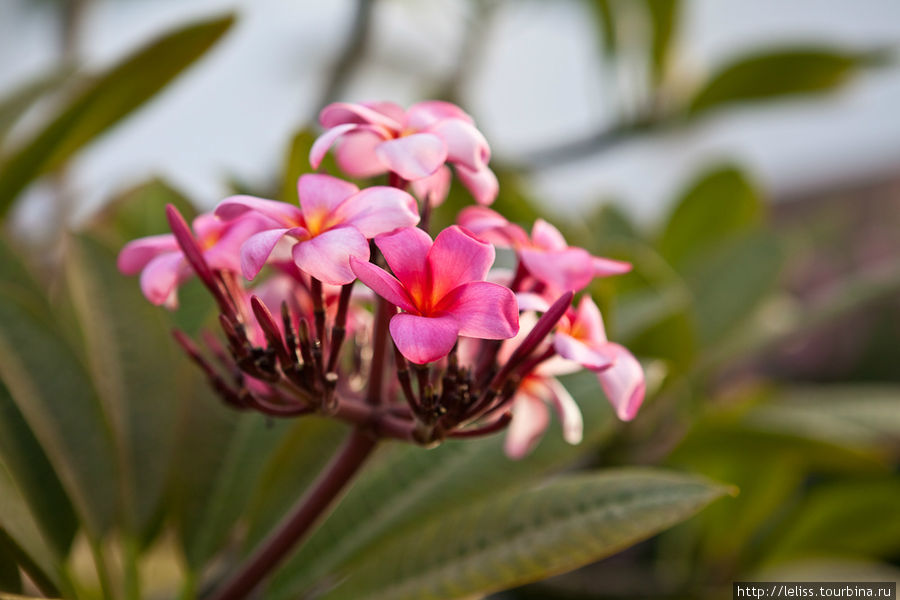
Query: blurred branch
483	13
593	145
354	50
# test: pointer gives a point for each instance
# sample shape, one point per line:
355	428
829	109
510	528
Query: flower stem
298	524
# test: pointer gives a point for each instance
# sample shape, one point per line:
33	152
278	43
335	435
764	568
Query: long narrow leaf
112	97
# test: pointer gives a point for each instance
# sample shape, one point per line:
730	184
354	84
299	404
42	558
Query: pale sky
538	81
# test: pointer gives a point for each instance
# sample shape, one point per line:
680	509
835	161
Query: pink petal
530	419
482	183
456	258
532	301
483	310
324	142
208	225
161	276
567	409
225	253
137	253
424	339
321	194
406	254
465	144
327	255
434	188
382	283
565	270
282	213
388	109
425	114
547	237
573	349
414	156
378	210
604	267
492	227
590	321
339	113
623	383
356	153
256	250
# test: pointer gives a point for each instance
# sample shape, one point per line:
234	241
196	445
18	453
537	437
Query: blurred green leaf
410	485
857	517
606	24
851	415
28	545
716	205
774	74
729	284
664	16
113	96
34	476
293	466
131	358
219	464
16	103
54	393
522	536
10	581
139	212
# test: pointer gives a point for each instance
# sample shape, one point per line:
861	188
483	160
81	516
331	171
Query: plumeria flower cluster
433	342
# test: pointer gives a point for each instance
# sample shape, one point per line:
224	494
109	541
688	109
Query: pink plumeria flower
376	138
581	337
333	223
536	392
545	254
161	262
441	290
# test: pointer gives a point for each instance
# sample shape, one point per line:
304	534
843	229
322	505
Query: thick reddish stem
298	524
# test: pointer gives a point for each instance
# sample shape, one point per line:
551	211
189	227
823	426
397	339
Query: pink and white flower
376	138
333	223
581	337
440	287
161	262
545	254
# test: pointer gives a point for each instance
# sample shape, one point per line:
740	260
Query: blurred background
745	156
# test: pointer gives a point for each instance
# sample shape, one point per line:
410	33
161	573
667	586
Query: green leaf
849	415
664	16
294	465
23	534
56	397
410	485
524	536
132	361
140	212
778	74
605	19
16	103
857	517
34	476
730	283
715	206
220	460
113	96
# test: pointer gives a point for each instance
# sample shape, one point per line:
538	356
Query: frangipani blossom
441	290
334	222
545	254
161	262
537	391
581	337
375	138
